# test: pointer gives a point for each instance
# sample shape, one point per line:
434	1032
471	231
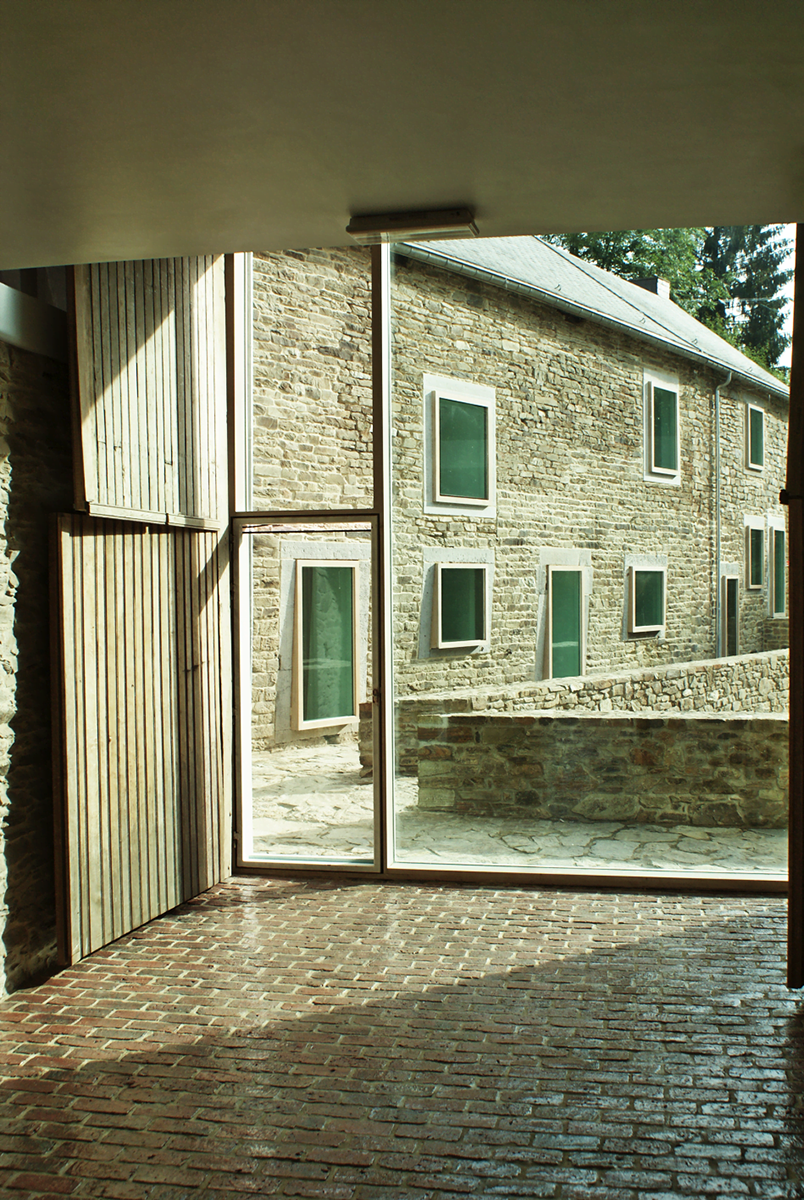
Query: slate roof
553	276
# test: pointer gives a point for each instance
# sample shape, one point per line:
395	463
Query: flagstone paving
313	800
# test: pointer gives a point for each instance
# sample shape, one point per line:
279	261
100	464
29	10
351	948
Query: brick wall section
694	770
747	684
35	480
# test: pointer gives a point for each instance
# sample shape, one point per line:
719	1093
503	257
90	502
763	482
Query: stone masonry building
569	453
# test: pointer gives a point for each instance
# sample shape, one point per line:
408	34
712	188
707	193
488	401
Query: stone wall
746	684
694	770
35	481
570	467
312	447
571	484
311	365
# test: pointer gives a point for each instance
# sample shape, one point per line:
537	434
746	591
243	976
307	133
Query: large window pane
306	741
565	739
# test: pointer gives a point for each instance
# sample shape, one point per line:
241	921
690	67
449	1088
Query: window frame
299	721
633	627
553	568
751	528
750	463
653	471
437	642
436	501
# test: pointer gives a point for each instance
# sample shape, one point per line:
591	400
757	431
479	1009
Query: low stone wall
748	683
694	770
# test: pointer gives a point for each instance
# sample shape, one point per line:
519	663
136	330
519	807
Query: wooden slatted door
145	731
142	629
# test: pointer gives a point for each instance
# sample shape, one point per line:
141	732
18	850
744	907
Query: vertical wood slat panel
144	631
151	353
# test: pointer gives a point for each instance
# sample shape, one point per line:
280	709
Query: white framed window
647	599
730	614
662	436
778	571
461	607
459	447
754	437
325	643
566	622
754	553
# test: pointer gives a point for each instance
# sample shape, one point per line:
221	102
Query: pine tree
751	259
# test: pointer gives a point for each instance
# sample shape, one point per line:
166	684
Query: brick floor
379	1042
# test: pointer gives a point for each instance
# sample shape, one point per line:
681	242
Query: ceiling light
413	226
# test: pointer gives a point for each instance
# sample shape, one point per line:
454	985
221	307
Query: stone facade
35	481
311	366
569	456
570	483
696	770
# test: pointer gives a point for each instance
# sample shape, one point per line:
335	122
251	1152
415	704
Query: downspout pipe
718	601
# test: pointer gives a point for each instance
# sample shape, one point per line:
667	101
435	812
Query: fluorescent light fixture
413	226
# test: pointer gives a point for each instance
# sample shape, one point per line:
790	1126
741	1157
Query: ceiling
142	128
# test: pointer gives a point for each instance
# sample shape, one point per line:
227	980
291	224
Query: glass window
647	600
565	623
756	438
731	614
460	616
779	573
664	428
755	539
325	661
462	454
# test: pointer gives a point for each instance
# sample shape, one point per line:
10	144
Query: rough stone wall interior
693	770
747	684
570	474
312	403
35	480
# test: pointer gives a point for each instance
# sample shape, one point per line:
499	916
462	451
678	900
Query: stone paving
367	1041
312	800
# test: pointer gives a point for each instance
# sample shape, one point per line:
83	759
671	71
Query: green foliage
730	277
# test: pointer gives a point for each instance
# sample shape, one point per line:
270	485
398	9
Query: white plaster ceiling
138	128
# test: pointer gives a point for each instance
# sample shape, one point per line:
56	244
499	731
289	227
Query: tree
730	277
751	260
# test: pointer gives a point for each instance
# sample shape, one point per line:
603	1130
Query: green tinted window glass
463	604
756	452
778	570
731	616
565	613
327	643
665	429
463	449
757	537
648	599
